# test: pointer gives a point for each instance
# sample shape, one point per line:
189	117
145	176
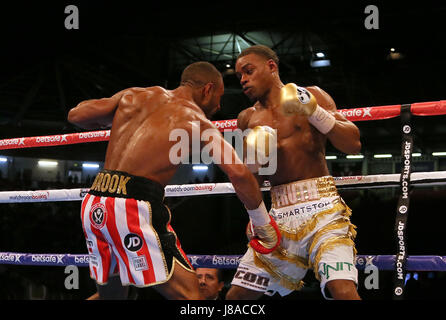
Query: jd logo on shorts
98	215
133	242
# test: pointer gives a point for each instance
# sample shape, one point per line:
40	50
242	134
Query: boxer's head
207	85
257	68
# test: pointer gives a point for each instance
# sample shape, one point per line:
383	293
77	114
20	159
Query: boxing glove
262	231
261	145
298	100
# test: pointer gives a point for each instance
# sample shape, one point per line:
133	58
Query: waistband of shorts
302	191
119	184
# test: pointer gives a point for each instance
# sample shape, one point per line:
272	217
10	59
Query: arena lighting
3	159
320	63
355	156
90	165
394	54
438	154
331	157
45	163
319	60
382	156
200	168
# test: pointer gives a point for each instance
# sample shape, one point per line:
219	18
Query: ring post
402	211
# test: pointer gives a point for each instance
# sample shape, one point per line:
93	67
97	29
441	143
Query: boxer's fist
266	238
297	100
249	231
300	101
261	144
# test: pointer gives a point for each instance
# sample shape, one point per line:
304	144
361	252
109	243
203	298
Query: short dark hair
261	50
199	73
220	275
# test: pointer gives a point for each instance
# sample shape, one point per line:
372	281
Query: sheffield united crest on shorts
98	215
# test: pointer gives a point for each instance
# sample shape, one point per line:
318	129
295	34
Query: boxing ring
398	262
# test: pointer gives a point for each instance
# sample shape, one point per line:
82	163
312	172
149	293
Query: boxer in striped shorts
125	222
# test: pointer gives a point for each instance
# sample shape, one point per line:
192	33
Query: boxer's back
139	141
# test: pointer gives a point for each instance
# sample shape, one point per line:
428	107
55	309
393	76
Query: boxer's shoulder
139	90
322	97
155	91
186	111
145	94
244	116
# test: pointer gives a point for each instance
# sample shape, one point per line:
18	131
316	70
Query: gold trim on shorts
330	244
298	233
284	280
337	224
283	254
302	191
303	262
166	270
189	266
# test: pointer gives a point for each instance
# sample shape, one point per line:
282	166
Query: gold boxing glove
261	145
298	100
262	230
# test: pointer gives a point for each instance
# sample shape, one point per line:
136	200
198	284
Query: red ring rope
432	108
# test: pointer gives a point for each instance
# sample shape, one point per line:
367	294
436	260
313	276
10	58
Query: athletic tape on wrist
259	216
322	120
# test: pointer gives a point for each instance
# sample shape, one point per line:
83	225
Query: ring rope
383	262
415	263
345	182
353	114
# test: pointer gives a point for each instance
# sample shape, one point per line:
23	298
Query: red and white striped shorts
129	236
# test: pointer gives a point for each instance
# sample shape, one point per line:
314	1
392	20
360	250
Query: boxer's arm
225	157
242	124
244	183
344	135
247	189
243	118
95	113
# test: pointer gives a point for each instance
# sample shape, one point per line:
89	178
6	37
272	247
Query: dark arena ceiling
47	69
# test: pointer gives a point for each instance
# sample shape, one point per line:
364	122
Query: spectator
210	282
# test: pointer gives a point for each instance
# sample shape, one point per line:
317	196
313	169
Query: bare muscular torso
300	147
139	141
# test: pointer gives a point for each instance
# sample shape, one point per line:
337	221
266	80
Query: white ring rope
346	182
